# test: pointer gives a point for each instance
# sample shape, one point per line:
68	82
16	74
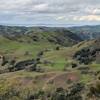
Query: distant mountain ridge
62	35
86	32
55	35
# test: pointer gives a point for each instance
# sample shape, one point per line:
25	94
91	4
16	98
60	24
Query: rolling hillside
86	32
56	35
41	63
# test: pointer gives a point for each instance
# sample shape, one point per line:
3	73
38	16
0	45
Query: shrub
86	55
95	90
57	48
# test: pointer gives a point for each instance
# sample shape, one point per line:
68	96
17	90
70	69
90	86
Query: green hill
41	63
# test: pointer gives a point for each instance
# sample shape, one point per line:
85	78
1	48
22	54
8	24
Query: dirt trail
60	80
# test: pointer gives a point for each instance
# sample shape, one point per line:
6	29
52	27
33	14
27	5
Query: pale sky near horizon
50	12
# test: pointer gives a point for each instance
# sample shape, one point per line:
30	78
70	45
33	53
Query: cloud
60	18
89	18
49	6
40	7
96	11
61	11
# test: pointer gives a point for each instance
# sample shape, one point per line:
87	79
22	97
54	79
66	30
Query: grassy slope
17	49
60	58
26	83
16	81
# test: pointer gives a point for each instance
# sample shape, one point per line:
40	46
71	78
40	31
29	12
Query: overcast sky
50	12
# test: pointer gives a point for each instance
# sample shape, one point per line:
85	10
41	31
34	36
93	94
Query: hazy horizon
48	25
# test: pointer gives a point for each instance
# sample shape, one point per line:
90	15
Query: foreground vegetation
34	68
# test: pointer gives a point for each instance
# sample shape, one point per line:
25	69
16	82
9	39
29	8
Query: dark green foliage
95	90
76	88
4	61
35	38
74	93
11	68
57	48
60	89
84	70
74	65
40	95
40	54
86	55
21	65
59	94
12	62
31	97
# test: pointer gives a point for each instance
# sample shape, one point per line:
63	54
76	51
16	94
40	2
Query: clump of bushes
73	93
74	65
40	54
57	48
40	95
95	90
4	61
86	55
